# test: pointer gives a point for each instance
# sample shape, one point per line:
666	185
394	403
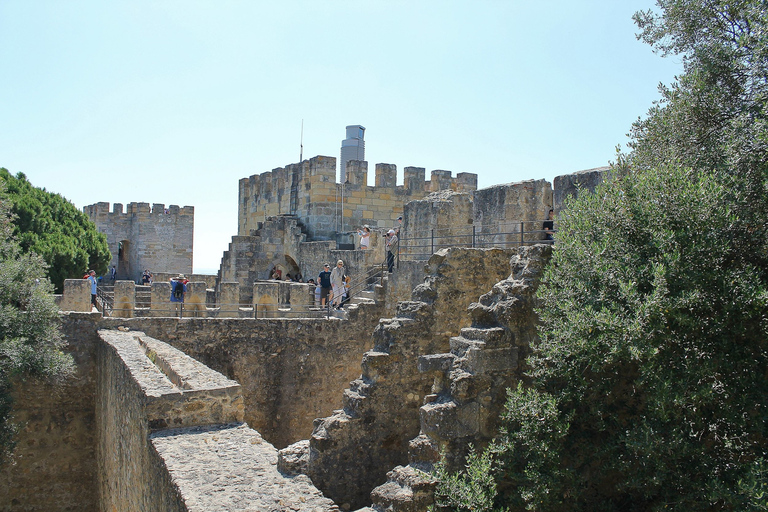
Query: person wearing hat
337	283
324	279
392	242
178	289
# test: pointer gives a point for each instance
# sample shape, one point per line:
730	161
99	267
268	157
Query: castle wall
53	467
291	371
309	191
143	237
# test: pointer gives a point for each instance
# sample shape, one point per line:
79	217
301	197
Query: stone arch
286	264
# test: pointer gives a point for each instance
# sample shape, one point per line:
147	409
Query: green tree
650	383
52	227
30	342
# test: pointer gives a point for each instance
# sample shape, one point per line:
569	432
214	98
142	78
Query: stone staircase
470	382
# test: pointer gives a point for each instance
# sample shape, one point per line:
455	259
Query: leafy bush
30	342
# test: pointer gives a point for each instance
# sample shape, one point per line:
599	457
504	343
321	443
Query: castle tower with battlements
156	238
326	208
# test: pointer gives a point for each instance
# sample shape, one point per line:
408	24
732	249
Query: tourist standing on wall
178	289
392	242
324	280
337	283
365	237
113	274
94	282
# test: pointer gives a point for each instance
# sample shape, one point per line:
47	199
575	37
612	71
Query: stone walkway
231	467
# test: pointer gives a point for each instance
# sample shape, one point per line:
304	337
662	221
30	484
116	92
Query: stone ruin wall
309	191
293	372
380	409
154	238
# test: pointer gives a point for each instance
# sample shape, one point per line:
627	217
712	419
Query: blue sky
175	101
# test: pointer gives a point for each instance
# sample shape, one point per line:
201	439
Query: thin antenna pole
301	151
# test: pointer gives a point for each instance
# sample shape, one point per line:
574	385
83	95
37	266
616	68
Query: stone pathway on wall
470	384
229	468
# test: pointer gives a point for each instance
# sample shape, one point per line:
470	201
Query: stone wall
291	371
498	216
569	185
309	191
54	465
146	385
351	451
146	237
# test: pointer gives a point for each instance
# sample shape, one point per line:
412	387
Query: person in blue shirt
94	283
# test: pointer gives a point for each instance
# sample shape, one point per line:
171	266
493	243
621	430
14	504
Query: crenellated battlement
102	209
309	190
145	236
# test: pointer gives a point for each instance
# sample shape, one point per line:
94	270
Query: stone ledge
179	390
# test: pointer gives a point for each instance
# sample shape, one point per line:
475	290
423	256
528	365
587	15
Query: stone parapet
77	295
125	299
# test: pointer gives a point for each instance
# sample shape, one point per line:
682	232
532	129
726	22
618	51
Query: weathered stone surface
54	465
294	459
569	185
291	370
381	406
231	467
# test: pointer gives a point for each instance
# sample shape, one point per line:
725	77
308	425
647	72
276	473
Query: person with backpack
178	289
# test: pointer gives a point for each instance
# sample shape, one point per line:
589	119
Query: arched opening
124	270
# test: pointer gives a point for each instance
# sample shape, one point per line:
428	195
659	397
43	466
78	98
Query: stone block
124	299
77	295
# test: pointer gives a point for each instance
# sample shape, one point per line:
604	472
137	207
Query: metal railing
105	297
512	234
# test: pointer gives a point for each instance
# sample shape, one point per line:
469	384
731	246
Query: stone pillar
161	300
77	295
125	299
302	298
386	175
194	299
414	179
229	300
266	296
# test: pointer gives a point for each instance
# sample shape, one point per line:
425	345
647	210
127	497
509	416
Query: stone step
492	336
460	345
423	453
375	364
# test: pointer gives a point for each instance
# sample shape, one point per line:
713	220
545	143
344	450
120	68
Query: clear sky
175	101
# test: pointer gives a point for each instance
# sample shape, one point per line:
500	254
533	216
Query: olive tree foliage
30	341
54	228
649	385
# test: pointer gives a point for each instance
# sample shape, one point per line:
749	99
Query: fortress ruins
248	401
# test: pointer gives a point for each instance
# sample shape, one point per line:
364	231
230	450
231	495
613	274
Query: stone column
229	300
266	298
302	298
125	299
77	295
161	299
194	299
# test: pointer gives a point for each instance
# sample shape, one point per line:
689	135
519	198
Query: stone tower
157	238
